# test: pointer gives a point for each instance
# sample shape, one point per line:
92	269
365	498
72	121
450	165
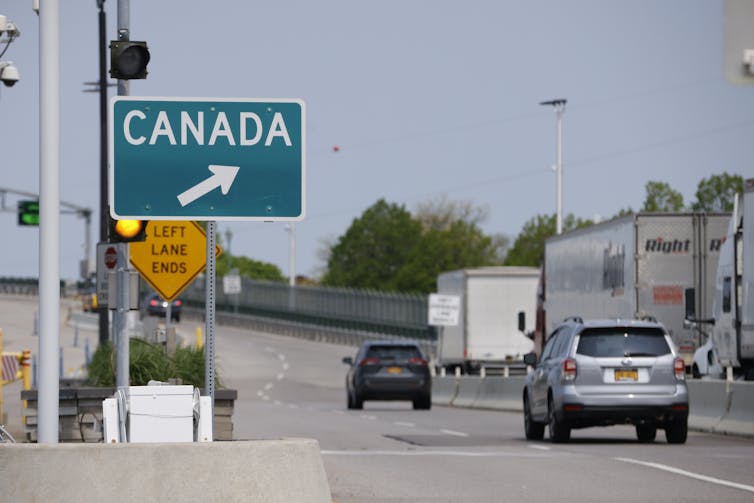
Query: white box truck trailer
487	334
636	266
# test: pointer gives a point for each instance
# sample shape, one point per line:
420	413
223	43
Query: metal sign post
209	346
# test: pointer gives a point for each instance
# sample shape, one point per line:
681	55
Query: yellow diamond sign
174	253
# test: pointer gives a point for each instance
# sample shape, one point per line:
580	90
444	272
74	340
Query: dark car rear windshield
621	342
394	352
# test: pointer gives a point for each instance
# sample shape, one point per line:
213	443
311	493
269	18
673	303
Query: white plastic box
161	413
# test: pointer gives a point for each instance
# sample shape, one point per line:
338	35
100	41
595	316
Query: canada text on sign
206	159
174	253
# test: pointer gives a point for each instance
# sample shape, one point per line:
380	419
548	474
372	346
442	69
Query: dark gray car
388	370
601	373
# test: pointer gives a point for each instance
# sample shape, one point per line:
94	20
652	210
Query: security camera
9	74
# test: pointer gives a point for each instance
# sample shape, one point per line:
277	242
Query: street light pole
559	106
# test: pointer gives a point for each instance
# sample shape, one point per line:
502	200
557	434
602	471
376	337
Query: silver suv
606	372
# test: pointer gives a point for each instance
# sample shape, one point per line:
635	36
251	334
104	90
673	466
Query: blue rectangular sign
206	159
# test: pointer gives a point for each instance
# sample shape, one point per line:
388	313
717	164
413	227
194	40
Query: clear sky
423	98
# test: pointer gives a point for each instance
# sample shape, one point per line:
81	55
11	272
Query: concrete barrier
739	419
708	403
468	391
444	390
501	393
288	470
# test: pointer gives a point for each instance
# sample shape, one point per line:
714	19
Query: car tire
424	402
533	429
559	431
177	318
677	431
695	372
358	402
646	433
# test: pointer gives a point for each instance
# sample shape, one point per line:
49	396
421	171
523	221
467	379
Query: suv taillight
680	369
418	361
569	369
369	361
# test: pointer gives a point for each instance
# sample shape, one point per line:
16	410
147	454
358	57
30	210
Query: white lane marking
286	366
455	433
260	393
269	349
692	475
468	454
403	423
292	406
265	398
338	411
281	357
540	447
365	416
280	376
268	386
278	402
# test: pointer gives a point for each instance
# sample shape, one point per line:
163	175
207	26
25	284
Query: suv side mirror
521	321
348	360
530	359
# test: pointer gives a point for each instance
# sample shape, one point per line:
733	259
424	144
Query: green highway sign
206	159
28	213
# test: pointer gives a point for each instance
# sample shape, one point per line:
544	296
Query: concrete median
708	404
500	393
739	419
288	470
444	390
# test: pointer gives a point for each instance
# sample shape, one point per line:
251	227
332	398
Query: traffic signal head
28	213
128	59
127	231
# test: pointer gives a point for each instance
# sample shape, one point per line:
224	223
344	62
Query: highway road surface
389	453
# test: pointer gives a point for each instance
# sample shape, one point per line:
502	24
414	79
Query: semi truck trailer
636	266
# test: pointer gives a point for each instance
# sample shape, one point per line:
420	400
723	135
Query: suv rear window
394	352
622	342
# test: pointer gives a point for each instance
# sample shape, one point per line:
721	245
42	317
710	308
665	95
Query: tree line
388	248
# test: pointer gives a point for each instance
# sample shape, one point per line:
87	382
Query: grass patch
149	362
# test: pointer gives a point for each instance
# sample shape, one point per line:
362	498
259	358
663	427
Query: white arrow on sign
222	176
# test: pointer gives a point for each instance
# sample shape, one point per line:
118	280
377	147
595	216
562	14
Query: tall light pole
559	106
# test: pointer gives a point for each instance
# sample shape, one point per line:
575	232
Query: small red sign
111	257
667	295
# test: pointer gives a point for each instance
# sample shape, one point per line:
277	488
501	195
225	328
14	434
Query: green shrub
149	362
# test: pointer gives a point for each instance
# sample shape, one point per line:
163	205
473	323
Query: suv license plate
626	375
394	370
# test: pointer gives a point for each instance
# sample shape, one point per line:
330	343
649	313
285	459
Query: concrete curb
289	470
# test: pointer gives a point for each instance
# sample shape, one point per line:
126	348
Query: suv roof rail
577	319
647	317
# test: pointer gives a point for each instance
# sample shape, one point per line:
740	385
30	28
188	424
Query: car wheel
559	431
358	401
646	433
533	429
677	431
177	318
695	372
349	400
424	402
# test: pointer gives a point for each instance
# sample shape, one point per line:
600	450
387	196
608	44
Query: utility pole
120	334
104	315
49	221
559	106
